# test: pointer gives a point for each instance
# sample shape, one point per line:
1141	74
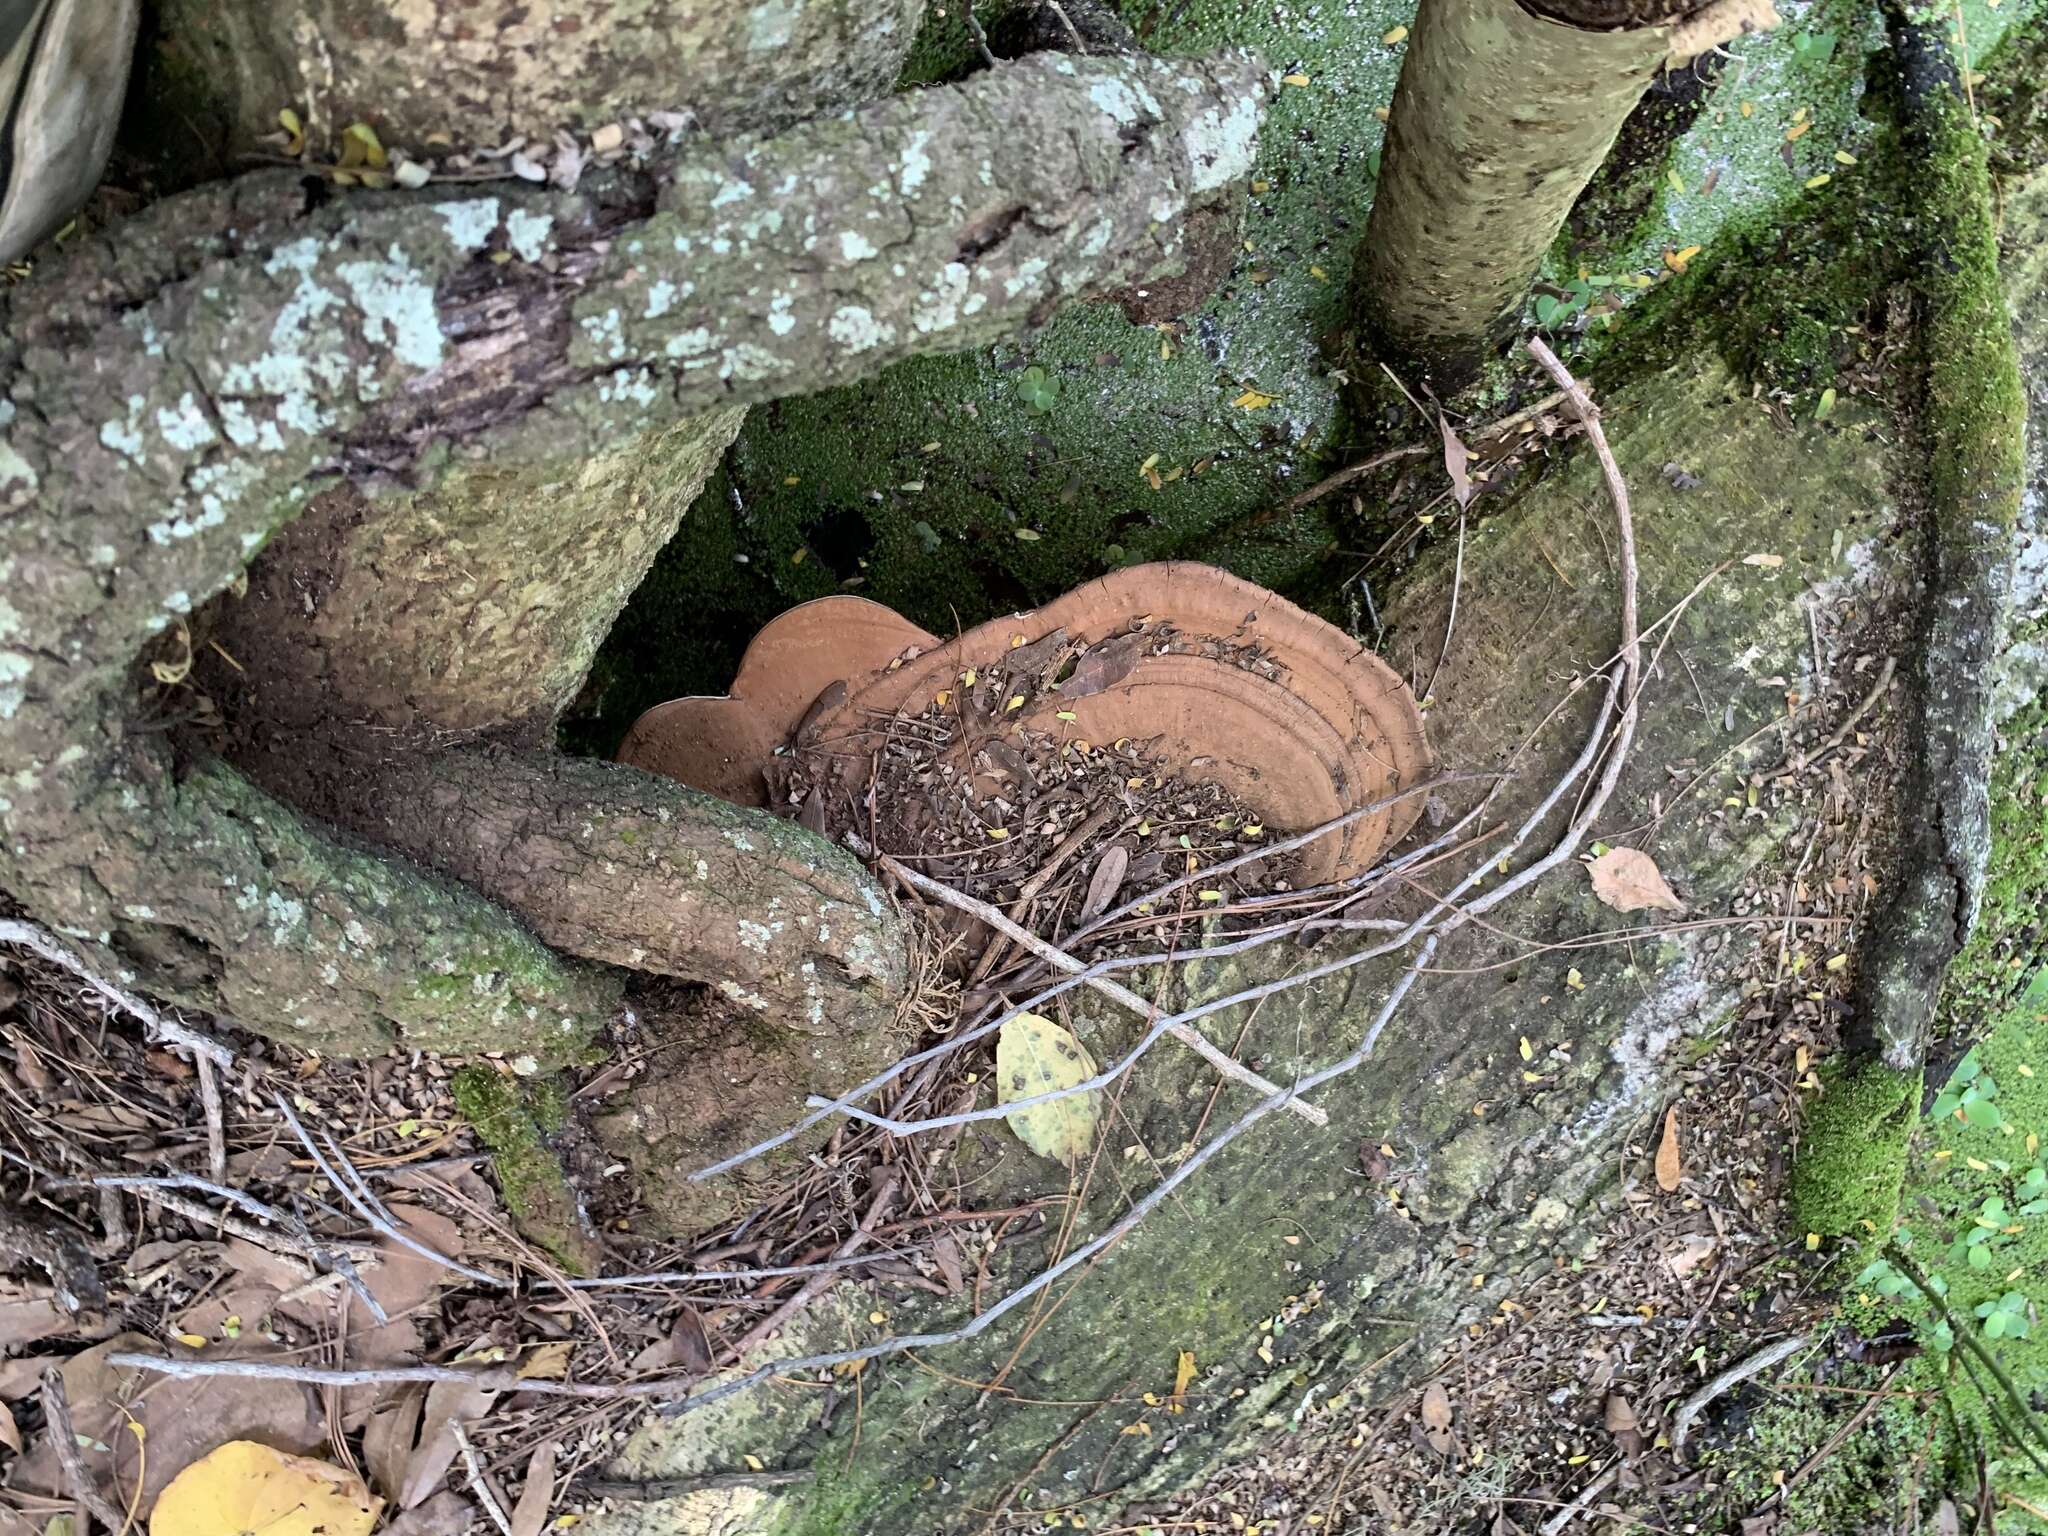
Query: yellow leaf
244	1488
1212	895
1813	1242
1843	157
754	1462
1394	36
1677	181
1574	980
1528	1050
1748	108
1319	274
1837	962
1254	400
1796	131
1767	562
1676	260
1148	466
1139	1428
792	479
1821	180
1016	701
1034	1056
1183	1372
997	833
1029	535
372	150
1294	79
548	1363
192	1340
1064	714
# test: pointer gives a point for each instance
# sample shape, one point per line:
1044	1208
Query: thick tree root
245	351
612	864
1972	421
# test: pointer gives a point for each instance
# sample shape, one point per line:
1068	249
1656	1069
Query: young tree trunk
1503	113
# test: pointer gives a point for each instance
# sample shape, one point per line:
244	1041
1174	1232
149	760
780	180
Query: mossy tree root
1972	414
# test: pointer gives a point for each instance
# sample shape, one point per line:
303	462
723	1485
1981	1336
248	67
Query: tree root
1972	416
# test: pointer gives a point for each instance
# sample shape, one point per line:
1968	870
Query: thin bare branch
1228	1065
168	1031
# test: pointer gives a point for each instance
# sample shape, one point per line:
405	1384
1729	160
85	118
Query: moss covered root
515	1120
1972	421
1852	1157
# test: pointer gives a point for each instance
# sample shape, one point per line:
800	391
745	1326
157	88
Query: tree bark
456	72
1502	115
612	864
248	353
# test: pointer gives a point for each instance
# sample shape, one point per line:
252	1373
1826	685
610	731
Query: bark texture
425	71
435	616
1973	413
1500	119
248	353
1502	115
621	866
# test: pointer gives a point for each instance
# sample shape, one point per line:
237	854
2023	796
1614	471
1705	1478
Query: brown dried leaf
448	1403
10	1432
946	1255
1669	1169
1456	457
1103	666
387	1441
550	1362
1628	880
1436	1417
1618	1414
1689	1255
447	1513
1107	880
530	1514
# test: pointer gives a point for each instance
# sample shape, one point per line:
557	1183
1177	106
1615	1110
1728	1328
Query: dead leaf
10	1432
550	1362
1107	880
447	1513
530	1514
1436	1417
946	1255
387	1440
1669	1170
1768	562
1103	666
181	1422
448	1403
1690	1254
1456	457
1628	880
1183	1372
246	1486
1035	1056
686	1345
1619	1416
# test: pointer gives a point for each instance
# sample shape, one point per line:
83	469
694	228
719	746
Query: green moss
1852	1154
515	1120
1898	1447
